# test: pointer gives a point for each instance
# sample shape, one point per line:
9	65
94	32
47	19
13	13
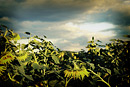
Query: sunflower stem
13	79
67	81
100	78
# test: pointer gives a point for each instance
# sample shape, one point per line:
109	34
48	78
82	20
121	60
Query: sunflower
22	55
7	58
77	73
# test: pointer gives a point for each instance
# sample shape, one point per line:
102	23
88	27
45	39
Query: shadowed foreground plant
75	73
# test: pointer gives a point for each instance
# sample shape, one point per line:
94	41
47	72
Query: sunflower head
77	74
7	58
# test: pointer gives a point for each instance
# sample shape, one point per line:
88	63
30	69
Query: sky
69	24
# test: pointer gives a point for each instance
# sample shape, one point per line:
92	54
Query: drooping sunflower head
7	58
77	74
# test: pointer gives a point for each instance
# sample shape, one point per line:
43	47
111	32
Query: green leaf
105	69
58	49
52	83
116	71
28	33
43	67
88	46
22	71
56	59
76	67
35	66
15	42
68	66
36	37
112	39
99	41
90	41
108	71
93	38
16	37
91	65
44	36
4	26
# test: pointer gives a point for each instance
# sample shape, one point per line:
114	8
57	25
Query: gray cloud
115	17
55	10
19	1
120	18
120	31
52	10
7	8
7	11
72	44
44	10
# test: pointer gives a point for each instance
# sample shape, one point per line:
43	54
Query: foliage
40	64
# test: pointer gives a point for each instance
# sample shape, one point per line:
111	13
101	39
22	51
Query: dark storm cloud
61	10
120	31
8	24
44	10
51	10
7	11
115	17
7	8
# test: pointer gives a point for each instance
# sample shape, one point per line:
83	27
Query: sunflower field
39	63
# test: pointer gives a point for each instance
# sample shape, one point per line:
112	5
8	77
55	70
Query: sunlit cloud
96	27
4	19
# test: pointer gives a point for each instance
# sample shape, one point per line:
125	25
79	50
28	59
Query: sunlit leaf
74	57
76	67
56	59
90	41
107	47
36	66
22	55
16	37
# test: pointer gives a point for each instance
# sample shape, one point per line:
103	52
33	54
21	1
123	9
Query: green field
39	63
